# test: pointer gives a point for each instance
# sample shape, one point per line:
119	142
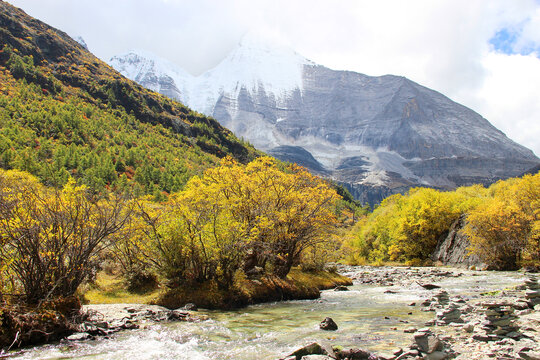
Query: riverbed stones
439	300
427	345
357	354
178	314
532	291
429	286
312	350
190	307
449	314
328	324
529	355
427	342
499	321
442	297
79	336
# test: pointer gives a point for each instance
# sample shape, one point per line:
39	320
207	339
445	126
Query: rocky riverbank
106	319
501	324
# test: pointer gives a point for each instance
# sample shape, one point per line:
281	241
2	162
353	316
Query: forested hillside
502	224
63	112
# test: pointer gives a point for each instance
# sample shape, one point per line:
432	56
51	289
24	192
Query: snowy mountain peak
136	63
155	73
268	49
258	66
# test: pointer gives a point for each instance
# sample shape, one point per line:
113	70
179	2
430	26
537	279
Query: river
367	318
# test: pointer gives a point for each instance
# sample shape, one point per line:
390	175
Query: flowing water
367	317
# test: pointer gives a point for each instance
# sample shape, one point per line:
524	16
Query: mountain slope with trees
64	112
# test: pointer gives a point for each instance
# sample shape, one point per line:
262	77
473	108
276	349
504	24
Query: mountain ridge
365	131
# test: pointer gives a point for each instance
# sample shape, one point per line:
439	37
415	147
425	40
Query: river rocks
468	328
529	355
532	292
106	319
440	300
499	322
357	354
341	288
427	345
450	314
427	342
313	349
328	324
400	276
442	297
79	336
177	315
429	286
190	307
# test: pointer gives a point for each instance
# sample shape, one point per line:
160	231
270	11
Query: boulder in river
79	336
429	286
190	307
357	354
328	324
312	349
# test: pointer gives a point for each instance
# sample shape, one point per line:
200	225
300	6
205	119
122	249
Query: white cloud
440	44
509	96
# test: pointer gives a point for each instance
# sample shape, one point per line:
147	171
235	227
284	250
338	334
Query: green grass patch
111	289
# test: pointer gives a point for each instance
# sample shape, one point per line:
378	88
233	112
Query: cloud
455	47
509	96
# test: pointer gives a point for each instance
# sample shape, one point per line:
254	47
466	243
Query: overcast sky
481	53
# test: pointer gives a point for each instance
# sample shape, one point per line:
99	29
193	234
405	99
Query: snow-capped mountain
377	135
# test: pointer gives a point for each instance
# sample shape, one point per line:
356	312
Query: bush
50	238
141	281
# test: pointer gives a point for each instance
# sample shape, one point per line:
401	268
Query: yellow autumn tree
51	237
504	229
242	216
407	227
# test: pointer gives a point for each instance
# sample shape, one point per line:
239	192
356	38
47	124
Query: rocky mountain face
453	248
376	135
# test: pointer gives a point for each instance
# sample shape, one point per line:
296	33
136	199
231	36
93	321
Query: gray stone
328	324
453	249
178	314
437	355
79	336
427	342
311	349
190	307
357	354
529	355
